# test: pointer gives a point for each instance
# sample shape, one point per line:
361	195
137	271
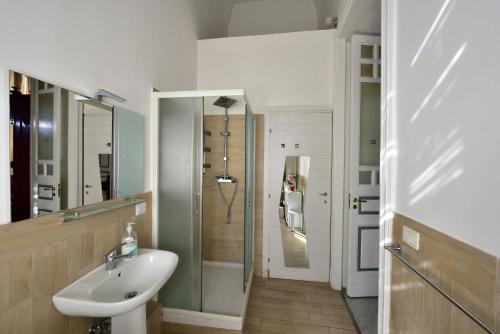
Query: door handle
323	194
88	186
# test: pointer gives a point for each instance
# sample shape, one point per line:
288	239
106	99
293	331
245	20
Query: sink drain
130	295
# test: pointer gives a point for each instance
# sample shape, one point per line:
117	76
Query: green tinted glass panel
129	152
366	51
179	224
367	70
369	146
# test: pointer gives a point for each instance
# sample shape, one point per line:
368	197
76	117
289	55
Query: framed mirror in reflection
64	149
291	211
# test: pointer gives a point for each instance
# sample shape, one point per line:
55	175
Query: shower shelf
207	149
207	166
207	133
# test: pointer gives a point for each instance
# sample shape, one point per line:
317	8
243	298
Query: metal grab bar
395	250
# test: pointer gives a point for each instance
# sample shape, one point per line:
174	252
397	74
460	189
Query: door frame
388	156
337	183
354	189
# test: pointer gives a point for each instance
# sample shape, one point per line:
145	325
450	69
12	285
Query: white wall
272	17
124	46
285	70
275	70
448	117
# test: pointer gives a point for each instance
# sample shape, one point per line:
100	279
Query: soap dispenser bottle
129	242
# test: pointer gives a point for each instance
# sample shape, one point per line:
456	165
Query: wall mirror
67	150
291	211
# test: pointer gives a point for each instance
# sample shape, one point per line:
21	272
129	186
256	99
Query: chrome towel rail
395	250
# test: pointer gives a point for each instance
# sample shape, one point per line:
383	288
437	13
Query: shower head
224	102
225	179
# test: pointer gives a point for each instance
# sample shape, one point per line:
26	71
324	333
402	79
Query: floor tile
365	313
296	307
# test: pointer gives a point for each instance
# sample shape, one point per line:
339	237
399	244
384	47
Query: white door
97	151
363	243
300	145
46	114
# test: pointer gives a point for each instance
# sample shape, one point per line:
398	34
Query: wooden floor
293	307
287	307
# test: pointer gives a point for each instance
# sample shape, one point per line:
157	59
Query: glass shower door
249	193
179	192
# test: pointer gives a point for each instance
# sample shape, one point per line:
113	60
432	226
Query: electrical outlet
140	209
411	237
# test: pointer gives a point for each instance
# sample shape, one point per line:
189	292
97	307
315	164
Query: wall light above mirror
67	150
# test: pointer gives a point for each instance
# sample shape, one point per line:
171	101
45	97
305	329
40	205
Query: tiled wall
222	241
469	275
259	188
41	256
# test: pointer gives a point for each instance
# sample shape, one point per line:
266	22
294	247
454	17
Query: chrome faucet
111	259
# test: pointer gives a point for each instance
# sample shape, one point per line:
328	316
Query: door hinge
270	130
268	195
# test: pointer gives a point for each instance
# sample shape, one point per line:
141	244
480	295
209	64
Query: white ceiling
360	17
355	16
216	14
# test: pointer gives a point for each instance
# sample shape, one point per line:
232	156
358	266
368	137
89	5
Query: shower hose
230	203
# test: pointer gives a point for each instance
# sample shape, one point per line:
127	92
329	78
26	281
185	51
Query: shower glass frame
249	194
170	233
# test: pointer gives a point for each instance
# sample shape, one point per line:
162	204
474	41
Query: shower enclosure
204	198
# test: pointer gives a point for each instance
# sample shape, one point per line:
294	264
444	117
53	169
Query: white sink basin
121	293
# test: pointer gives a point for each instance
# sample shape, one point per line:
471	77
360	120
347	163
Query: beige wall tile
41	256
8	321
106	239
18	319
16	277
464	272
154	317
79	325
50	276
497	298
259	189
81	256
222	241
462	324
